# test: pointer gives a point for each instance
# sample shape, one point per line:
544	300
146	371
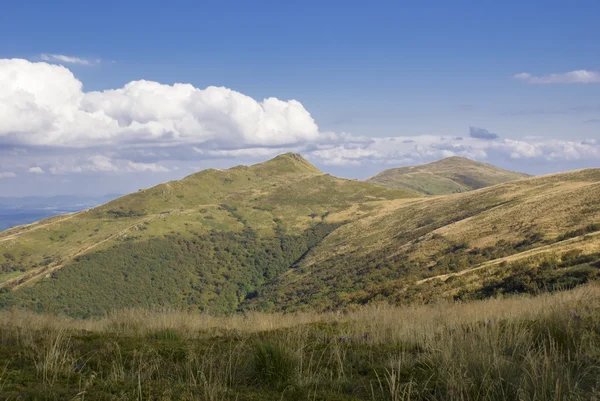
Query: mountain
207	241
281	235
446	176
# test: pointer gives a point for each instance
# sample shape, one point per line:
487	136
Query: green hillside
281	235
205	242
447	176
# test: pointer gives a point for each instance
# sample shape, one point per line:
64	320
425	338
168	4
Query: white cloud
424	148
244	152
7	174
44	104
145	126
69	59
572	77
341	155
103	164
94	164
146	167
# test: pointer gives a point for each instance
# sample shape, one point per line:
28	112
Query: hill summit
446	176
287	163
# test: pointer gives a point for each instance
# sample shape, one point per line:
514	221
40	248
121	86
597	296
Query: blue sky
424	72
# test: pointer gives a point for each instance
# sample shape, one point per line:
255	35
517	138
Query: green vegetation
447	176
272	365
283	236
534	276
208	272
518	348
285	193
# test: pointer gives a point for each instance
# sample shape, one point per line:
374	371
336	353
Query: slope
207	241
281	235
550	221
446	176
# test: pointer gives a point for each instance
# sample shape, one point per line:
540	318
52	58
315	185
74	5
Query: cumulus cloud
7	174
44	104
572	77
47	119
61	58
481	133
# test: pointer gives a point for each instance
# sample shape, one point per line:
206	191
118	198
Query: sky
110	97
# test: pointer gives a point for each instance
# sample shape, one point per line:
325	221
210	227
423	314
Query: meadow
544	347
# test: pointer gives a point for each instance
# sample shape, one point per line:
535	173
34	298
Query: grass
285	191
405	241
446	176
519	348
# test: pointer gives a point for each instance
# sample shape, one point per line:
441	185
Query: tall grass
522	348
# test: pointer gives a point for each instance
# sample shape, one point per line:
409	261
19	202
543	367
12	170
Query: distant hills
447	176
282	235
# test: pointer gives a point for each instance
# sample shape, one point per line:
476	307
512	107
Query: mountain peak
457	158
454	160
445	176
286	163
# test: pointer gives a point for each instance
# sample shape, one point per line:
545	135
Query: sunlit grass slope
381	256
447	176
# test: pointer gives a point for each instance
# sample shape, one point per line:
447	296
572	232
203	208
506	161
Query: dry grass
524	348
385	324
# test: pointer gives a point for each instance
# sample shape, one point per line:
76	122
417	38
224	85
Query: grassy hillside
552	220
281	235
447	176
206	242
517	348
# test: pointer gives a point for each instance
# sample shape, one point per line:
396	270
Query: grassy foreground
523	348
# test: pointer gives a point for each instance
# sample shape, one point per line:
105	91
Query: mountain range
282	235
